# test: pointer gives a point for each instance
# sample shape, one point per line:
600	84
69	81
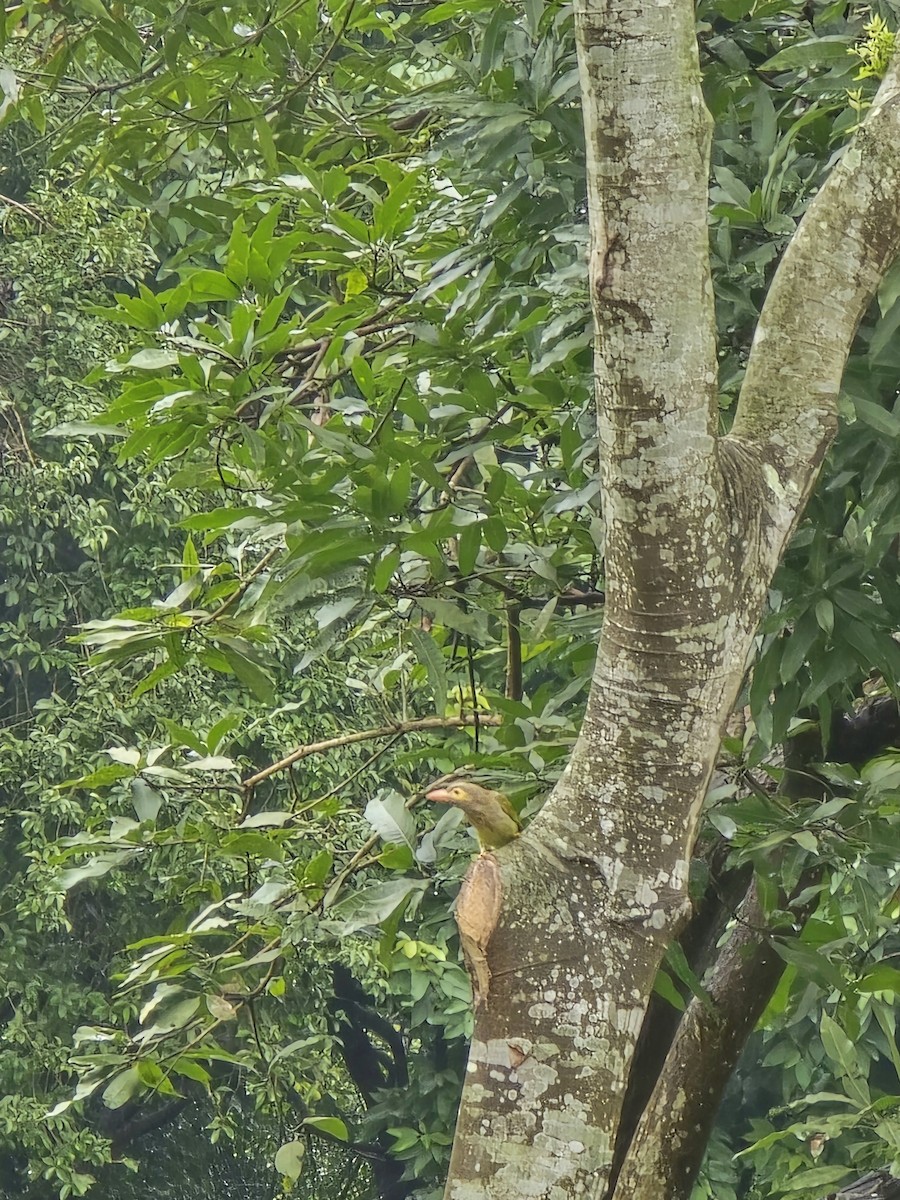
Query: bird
490	814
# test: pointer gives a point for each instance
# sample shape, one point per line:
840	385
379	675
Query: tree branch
876	1185
138	1121
418	725
699	941
648	133
845	242
663	1158
666	1152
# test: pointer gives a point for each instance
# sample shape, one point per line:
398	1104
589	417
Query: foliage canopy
333	470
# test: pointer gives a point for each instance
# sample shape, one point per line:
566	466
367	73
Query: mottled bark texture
667	1138
877	1185
584	903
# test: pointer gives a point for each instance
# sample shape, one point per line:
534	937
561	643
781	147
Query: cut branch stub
477	912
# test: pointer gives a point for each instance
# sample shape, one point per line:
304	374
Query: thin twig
452	484
30	212
417	725
241	590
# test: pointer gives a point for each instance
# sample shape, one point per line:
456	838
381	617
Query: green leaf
395	210
95	868
817	1179
191	1070
148	360
398	489
101	778
251	843
221	732
663	986
397	858
370	905
429	655
76	429
384	569
318	868
153	1078
810	961
830	50
468	545
211	762
289	1159
163	671
176	1016
798	645
180	735
123	1087
190	562
825	616
333	1126
392	820
839	1048
473	622
878	418
250	673
210	285
146	800
677	961
880	978
495	532
440	840
807	839
264	820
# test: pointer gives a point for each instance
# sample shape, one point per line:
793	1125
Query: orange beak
441	795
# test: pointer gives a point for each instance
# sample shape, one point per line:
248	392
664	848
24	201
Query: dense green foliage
323	267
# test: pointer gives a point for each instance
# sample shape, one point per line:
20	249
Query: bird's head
493	817
459	793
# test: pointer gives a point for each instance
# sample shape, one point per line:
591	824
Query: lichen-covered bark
835	261
664	1161
848	238
583	905
667	1147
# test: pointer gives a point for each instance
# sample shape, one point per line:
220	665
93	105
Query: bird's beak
441	795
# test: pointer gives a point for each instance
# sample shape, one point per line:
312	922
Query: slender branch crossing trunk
568	923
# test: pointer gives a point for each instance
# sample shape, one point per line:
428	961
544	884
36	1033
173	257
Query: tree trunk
568	924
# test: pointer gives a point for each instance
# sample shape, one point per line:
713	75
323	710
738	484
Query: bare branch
418	725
